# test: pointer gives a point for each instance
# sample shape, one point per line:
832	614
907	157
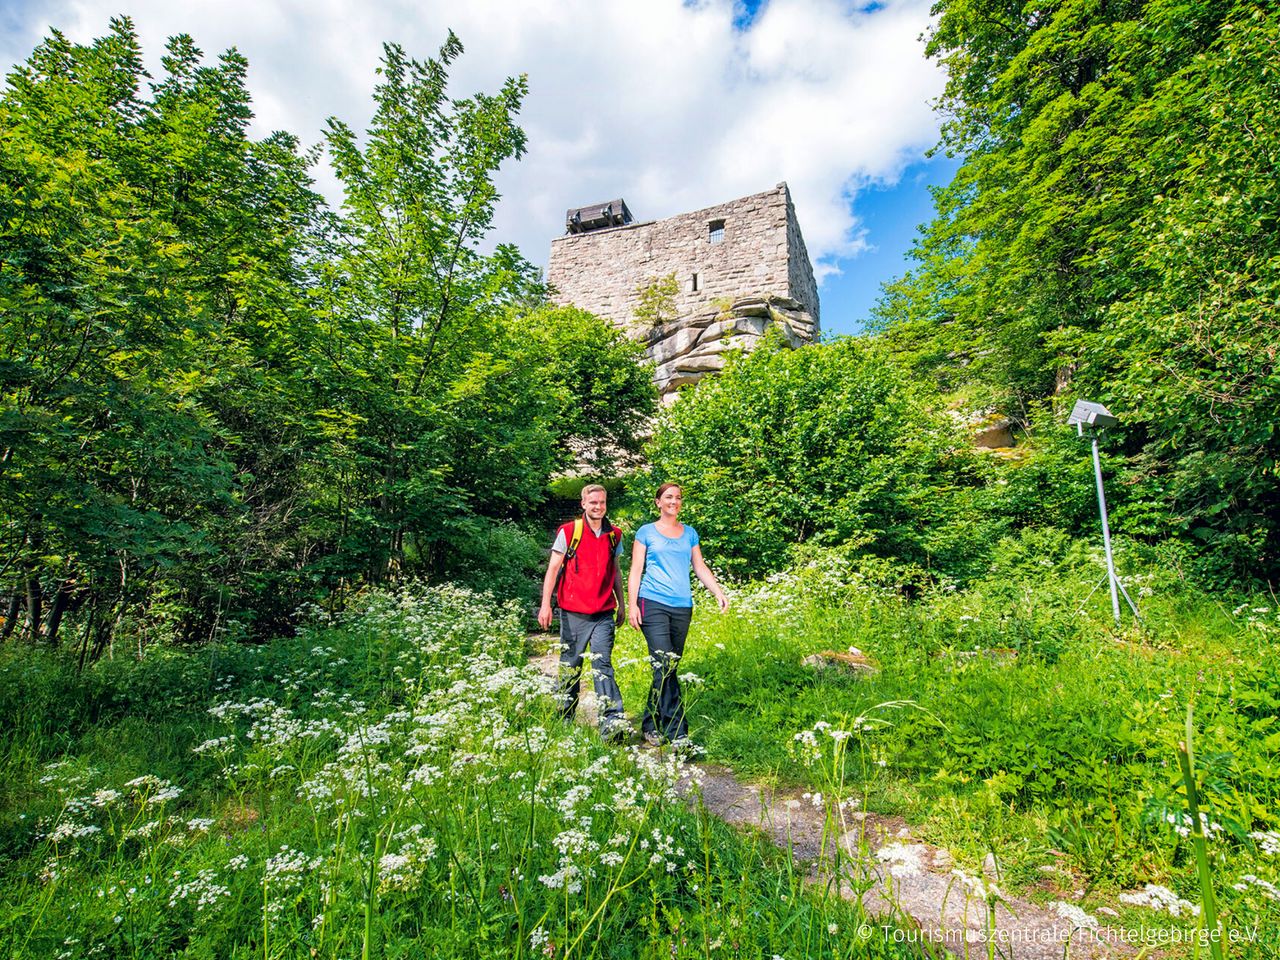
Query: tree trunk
90	622
101	638
61	600
35	606
35	590
11	615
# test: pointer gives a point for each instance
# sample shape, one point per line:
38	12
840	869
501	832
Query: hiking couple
584	577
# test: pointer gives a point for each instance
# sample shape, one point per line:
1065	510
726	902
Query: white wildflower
204	890
1268	842
1077	917
1249	880
904	859
1160	898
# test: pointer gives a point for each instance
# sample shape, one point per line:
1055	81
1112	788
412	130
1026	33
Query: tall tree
1040	103
410	300
149	248
1192	350
1091	219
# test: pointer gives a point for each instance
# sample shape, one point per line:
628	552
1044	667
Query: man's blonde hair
591	488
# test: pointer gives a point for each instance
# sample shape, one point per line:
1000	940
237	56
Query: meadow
393	781
391	784
1012	723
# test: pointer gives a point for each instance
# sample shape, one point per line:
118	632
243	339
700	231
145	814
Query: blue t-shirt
667	562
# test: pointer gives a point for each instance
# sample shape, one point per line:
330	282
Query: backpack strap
576	539
615	538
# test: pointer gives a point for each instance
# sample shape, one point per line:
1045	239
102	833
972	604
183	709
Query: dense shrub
830	444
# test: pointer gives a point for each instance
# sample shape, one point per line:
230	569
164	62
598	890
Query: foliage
1109	234
501	559
656	301
221	399
1192	352
1050	482
827	443
409	308
152	260
600	383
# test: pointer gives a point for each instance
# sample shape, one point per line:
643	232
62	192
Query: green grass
1018	725
391	785
394	784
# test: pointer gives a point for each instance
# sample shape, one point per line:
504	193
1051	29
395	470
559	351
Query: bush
826	444
501	559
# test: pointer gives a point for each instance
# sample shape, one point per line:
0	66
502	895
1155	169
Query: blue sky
675	105
891	215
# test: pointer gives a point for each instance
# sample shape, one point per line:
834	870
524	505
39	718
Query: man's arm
548	585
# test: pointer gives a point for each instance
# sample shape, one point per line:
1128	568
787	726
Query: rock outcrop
689	348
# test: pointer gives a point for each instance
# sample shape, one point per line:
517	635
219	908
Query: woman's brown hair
665	487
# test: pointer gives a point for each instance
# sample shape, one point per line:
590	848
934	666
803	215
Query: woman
660	604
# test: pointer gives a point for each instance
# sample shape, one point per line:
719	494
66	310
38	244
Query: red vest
586	585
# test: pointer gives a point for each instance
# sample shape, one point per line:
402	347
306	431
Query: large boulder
689	348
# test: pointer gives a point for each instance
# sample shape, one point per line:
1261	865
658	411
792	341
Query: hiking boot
653	738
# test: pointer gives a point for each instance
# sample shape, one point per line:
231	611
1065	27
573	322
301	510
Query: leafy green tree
598	380
1041	102
411	311
656	302
1191	352
826	444
149	254
455	392
1109	233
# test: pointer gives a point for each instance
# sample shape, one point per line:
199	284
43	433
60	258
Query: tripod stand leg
1128	599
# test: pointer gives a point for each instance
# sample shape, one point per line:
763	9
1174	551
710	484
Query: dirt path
906	882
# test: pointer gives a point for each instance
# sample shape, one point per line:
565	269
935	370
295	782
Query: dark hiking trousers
580	632
665	629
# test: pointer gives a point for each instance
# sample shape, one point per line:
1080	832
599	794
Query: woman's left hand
723	601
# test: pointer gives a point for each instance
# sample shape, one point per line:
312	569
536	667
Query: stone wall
729	292
804	287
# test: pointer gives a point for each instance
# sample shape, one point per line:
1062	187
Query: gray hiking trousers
580	633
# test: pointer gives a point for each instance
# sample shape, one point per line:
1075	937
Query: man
583	574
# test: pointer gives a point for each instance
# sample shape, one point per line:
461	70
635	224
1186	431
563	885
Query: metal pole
1106	531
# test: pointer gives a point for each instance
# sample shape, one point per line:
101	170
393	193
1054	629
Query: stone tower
740	267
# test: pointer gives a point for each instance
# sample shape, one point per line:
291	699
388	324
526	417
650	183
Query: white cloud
662	102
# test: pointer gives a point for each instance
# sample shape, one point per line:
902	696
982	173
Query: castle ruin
739	267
